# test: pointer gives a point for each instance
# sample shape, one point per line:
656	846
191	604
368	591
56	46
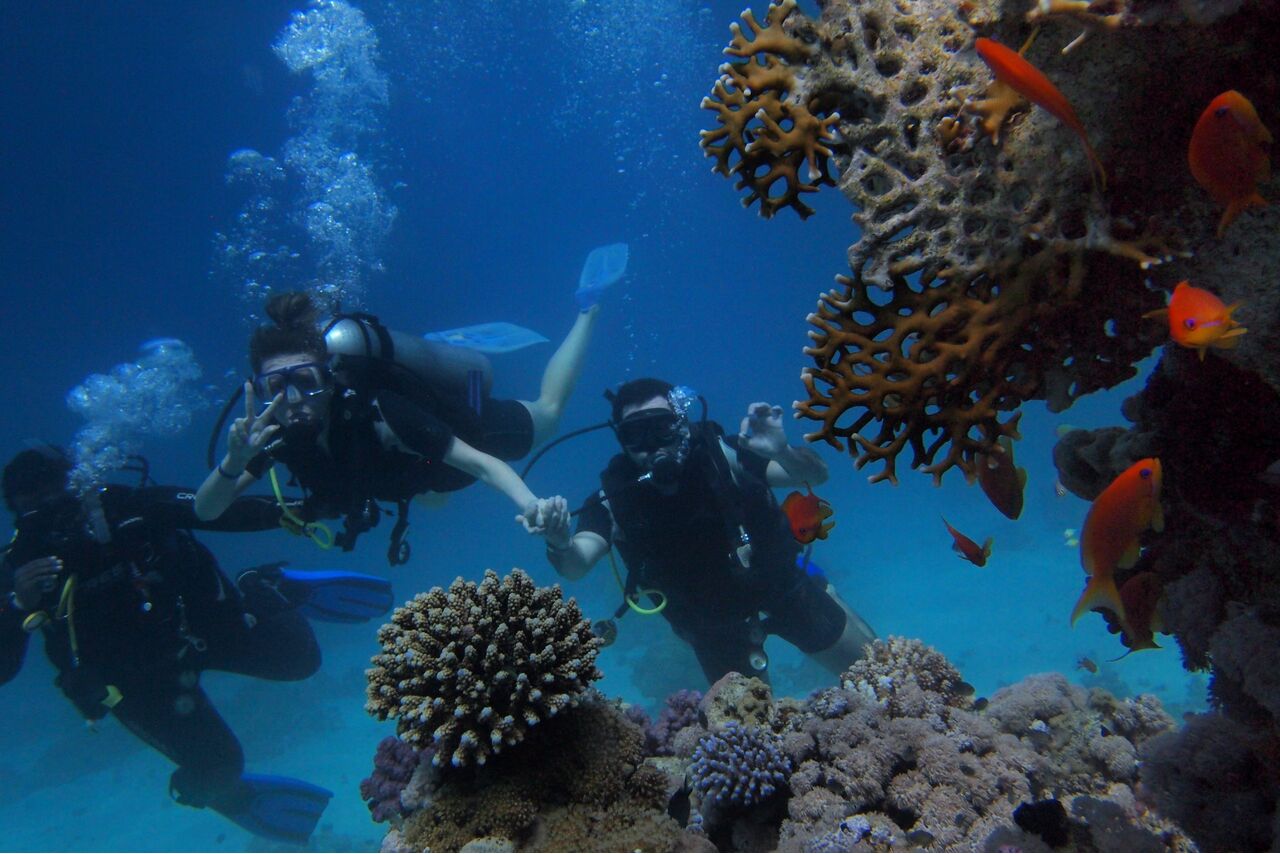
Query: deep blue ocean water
514	137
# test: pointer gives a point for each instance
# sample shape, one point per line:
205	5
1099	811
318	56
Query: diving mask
295	382
649	430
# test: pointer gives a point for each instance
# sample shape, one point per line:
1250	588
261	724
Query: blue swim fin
603	267
337	597
496	337
279	807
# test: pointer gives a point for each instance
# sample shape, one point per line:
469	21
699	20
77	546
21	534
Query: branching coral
766	134
739	766
1035	280
470	670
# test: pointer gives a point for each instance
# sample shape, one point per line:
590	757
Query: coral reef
1210	423
1006	281
577	783
898	757
393	765
679	711
472	669
738	766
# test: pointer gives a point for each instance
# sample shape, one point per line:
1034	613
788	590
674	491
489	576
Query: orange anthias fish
1141	597
806	515
1230	154
1001	480
1028	81
1198	319
967	548
1112	530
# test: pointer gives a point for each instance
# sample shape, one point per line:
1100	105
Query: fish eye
1221	112
1190	323
1144	473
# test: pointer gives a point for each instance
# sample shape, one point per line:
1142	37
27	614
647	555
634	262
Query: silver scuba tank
448	368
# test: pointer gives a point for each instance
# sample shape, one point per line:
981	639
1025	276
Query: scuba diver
361	414
704	541
133	608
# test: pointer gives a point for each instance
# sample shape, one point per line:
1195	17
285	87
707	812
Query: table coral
470	670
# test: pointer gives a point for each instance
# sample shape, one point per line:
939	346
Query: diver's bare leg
849	647
560	377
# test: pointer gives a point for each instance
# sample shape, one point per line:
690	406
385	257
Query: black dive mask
54	527
648	430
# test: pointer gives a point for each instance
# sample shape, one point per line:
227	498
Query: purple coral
393	767
739	766
680	711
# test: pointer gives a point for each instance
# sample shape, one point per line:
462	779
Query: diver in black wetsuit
133	608
692	514
354	437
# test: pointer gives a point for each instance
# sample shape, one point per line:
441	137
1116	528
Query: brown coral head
471	669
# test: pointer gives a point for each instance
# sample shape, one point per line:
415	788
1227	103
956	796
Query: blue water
514	138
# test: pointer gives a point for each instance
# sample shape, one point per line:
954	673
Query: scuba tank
360	342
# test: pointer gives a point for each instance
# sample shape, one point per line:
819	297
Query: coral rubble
469	671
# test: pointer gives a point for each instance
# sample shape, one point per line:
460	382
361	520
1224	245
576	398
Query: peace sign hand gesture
250	434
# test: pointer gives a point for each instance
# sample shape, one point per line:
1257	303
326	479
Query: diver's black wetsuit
357	469
146	612
680	544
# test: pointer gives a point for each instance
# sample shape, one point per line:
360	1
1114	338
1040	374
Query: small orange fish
1028	81
1141	597
1199	320
1001	480
1112	530
1086	663
967	548
806	515
1230	154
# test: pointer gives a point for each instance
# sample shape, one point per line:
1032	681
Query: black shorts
805	616
506	429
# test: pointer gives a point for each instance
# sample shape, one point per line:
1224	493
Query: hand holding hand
34	579
548	517
250	434
761	431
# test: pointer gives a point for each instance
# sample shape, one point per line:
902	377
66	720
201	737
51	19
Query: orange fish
1112	530
806	515
1028	81
1141	597
1001	480
1230	154
1199	320
1086	663
967	548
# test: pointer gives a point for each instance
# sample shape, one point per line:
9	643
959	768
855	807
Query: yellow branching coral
772	134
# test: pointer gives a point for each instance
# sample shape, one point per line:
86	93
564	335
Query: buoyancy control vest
688	544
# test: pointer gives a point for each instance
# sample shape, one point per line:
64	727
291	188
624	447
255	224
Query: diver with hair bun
361	414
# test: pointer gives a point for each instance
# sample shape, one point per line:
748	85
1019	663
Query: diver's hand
542	512
34	579
250	434
555	522
761	431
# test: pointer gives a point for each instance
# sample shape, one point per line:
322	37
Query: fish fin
1238	206
1228	340
986	547
1158	314
1131	555
1157	518
1100	592
1202	351
1022	478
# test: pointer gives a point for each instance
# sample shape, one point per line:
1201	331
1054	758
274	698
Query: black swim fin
337	597
279	807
